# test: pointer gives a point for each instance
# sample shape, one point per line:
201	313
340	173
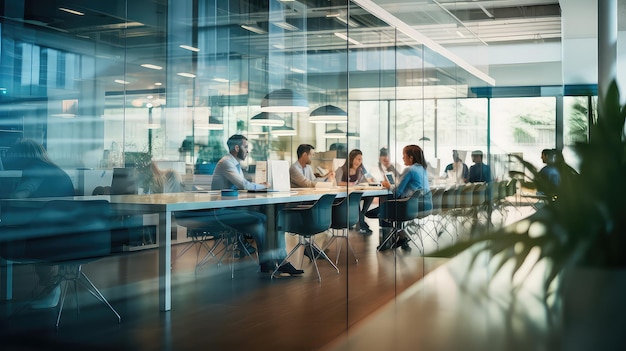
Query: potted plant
210	154
583	223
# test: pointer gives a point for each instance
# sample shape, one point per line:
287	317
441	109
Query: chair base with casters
65	233
345	215
308	243
400	212
306	222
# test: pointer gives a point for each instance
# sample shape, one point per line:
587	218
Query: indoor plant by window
585	220
580	232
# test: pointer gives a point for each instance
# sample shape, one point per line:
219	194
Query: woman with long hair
352	172
40	178
413	178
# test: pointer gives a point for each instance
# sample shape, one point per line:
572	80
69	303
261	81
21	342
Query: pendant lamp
328	114
267	119
284	100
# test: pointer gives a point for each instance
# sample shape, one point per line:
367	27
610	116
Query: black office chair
345	215
203	226
399	212
65	233
307	221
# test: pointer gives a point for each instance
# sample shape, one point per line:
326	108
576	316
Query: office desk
165	204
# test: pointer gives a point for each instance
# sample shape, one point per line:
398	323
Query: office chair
306	221
65	233
204	226
345	214
399	212
417	226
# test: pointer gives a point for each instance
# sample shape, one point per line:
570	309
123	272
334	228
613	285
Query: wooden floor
212	311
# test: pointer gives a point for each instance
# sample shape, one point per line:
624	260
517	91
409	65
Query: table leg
6	280
165	260
271	239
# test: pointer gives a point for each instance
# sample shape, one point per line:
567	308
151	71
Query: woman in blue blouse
414	178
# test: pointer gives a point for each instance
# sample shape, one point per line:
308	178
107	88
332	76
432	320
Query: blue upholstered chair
66	233
204	226
345	214
306	222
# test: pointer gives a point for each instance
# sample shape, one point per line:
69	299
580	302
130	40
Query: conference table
166	204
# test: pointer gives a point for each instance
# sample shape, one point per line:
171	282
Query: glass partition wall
122	83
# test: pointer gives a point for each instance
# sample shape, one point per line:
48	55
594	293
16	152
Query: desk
165	204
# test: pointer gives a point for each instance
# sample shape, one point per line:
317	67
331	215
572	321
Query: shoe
316	253
289	269
364	228
50	300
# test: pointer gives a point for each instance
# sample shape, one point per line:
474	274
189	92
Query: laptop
277	175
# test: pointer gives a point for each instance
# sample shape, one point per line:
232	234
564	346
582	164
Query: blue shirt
413	178
551	174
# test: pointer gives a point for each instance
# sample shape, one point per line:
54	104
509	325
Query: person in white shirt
228	175
301	174
385	166
457	170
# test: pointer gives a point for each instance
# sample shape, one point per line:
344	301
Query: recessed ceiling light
190	48
185	74
158	84
297	70
147	65
349	22
254	29
221	80
119	81
73	12
345	37
286	26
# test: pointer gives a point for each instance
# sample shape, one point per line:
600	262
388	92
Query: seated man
479	172
228	175
301	173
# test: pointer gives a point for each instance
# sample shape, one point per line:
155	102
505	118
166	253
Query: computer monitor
124	181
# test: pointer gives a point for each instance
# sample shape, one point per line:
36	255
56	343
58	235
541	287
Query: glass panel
524	126
127	83
575	124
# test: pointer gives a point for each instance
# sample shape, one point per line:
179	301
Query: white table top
213	199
